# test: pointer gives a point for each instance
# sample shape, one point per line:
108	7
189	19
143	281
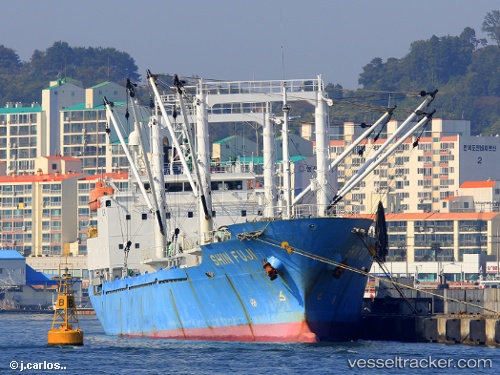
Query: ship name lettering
240	254
221	259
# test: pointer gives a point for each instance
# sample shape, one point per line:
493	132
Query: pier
438	328
448	316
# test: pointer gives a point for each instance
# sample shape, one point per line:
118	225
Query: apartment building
86	132
71	121
474	196
21	138
28	132
33	220
59	95
417	179
446	236
461	242
442	197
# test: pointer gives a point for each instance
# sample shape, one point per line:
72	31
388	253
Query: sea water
24	349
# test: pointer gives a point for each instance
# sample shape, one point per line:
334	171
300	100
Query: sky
242	40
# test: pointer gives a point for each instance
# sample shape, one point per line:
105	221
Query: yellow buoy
65	313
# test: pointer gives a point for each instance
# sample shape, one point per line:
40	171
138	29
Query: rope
291	250
252	235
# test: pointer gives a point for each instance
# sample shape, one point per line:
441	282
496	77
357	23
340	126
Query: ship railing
231	167
183	245
237	108
246	87
265	87
311	210
150	254
96	280
237	166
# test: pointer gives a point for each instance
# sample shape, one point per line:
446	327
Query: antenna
282	45
283	61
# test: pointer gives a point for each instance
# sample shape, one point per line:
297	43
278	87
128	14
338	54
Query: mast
269	161
203	156
170	128
203	151
322	141
133	166
158	181
287	190
158	192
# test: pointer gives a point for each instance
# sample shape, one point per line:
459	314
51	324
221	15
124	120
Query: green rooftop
100	85
260	159
220	141
82	107
15	110
62	81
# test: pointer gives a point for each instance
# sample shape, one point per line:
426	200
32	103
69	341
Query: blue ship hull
229	296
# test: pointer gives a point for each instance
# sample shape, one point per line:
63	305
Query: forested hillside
23	81
465	69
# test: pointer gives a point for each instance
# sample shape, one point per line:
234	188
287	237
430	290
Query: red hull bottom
280	332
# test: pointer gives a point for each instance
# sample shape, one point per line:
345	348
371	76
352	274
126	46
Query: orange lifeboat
100	190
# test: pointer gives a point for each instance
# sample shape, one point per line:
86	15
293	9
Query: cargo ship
265	268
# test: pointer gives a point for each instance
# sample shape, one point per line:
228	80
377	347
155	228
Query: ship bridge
253	102
240	101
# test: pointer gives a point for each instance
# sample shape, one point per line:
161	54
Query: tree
372	73
335	92
491	25
89	65
436	249
485	64
9	61
469	35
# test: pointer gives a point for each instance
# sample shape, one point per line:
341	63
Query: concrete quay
437	328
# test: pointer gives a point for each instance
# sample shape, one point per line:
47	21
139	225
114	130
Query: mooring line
292	250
